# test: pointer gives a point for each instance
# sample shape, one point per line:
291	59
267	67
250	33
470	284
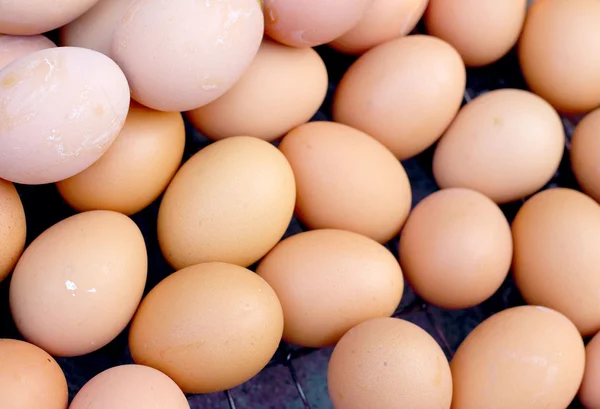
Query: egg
28	376
79	283
404	93
37	16
15	47
589	395
506	144
130	387
328	281
62	108
209	327
387	363
523	357
283	88
194	53
310	23
13	228
556	238
347	180
135	170
456	248
383	21
585	154
555	57
231	202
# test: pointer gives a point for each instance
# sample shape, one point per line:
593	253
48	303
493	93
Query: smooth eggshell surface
79	283
14	47
523	357
61	109
404	93
210	327
589	394
194	53
388	363
585	154
13	228
29	376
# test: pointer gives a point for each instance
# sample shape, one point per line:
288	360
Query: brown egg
130	387
404	93
347	180
388	363
79	283
556	237
13	228
506	144
585	154
555	57
309	23
523	357
328	281
456	248
136	169
589	394
210	327
14	47
29	376
283	88
383	21
30	17
231	202
194	53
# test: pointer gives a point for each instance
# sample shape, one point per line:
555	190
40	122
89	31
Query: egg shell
404	93
554	53
130	387
383	21
523	357
15	47
210	327
13	228
283	88
456	248
328	281
79	283
28	376
556	237
231	202
136	169
309	23
506	144
194	53
589	394
387	363
585	154
62	108
347	180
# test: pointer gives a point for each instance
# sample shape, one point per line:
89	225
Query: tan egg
506	144
78	284
130	387
95	28
585	154
135	170
328	281
523	357
556	237
210	327
347	180
13	228
29	376
309	23
456	248
15	47
231	202
404	93
61	109
555	57
30	17
387	363
283	88
589	394
383	21
194	53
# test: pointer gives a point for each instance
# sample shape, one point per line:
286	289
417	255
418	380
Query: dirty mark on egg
71	286
230	17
